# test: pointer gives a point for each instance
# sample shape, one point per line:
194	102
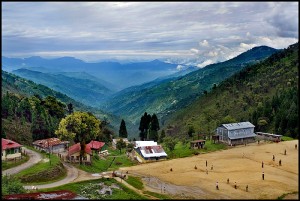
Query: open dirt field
241	164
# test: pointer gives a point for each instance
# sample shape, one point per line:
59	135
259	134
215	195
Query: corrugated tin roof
76	148
144	143
45	143
96	144
240	125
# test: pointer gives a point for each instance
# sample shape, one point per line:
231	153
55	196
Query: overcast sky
200	32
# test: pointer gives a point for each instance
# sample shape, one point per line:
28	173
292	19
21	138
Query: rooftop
45	143
240	125
8	144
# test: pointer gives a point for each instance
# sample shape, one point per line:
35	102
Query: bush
11	185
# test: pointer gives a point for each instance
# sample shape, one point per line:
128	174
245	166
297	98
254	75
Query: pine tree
123	130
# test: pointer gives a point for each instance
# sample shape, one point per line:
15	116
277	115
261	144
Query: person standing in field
206	163
273	158
280	162
212	167
285	152
262	164
235	185
227	180
263	176
247	188
217	186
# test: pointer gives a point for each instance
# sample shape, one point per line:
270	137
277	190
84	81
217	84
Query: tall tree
80	126
153	128
144	125
70	108
123	130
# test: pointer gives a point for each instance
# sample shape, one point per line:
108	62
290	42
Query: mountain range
113	75
166	96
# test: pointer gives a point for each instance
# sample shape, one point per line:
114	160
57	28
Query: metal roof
240	125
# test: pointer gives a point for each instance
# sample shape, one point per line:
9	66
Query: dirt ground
241	164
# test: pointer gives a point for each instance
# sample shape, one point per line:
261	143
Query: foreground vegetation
90	192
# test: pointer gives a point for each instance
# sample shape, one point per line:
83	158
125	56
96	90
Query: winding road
34	158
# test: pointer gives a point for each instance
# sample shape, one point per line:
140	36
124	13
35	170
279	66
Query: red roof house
76	148
10	149
96	145
8	144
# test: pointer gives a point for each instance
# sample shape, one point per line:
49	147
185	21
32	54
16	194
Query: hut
197	144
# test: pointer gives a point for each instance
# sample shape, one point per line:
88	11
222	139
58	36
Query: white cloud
144	29
204	43
205	63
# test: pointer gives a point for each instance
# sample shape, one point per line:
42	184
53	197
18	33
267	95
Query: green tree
121	144
70	108
80	126
170	143
153	128
191	131
123	130
162	136
144	125
11	185
228	119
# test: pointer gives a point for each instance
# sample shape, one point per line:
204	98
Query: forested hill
167	97
266	94
18	88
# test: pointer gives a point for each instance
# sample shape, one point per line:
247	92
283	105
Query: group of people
235	185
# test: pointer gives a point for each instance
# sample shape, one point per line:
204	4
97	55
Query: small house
73	154
197	144
10	149
149	151
96	146
236	133
52	145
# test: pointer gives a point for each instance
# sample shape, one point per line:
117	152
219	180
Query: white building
149	150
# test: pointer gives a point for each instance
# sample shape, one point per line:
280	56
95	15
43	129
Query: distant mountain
170	95
266	94
121	75
24	87
80	89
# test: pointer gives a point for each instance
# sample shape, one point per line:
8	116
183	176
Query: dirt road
34	159
242	165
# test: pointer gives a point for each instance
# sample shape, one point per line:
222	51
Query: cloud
204	43
205	63
201	31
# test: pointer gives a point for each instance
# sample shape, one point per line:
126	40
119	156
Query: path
34	158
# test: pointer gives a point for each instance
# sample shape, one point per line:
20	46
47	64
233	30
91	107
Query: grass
136	182
286	138
77	187
42	166
158	195
183	150
101	165
284	195
12	163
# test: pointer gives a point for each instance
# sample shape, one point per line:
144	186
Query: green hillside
167	97
82	89
19	88
265	94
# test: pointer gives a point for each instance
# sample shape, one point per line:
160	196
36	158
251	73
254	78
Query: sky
191	33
